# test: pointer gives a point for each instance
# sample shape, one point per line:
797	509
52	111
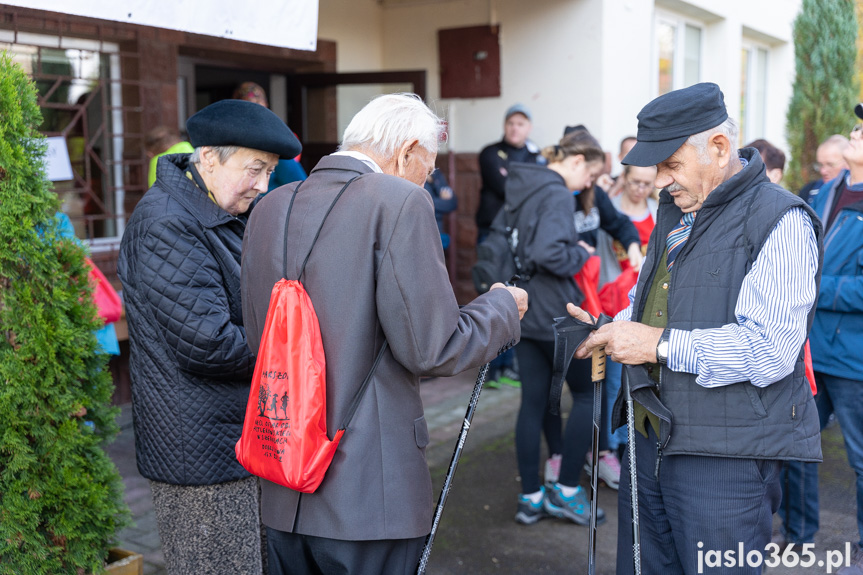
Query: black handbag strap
363	387
314	241
359	396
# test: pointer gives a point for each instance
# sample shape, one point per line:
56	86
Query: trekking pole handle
597	366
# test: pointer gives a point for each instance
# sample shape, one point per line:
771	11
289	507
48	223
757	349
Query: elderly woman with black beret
190	365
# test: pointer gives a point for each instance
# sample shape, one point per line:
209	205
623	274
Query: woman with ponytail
540	204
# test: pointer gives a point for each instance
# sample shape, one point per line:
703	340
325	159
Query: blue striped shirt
774	300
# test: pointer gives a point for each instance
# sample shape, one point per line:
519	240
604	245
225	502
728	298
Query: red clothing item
644	226
844	197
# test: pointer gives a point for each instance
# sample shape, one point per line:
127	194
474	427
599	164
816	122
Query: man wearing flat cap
712	343
376	276
190	364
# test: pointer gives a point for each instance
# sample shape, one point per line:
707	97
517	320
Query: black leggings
535	364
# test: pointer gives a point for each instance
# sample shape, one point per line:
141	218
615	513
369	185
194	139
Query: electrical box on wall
469	62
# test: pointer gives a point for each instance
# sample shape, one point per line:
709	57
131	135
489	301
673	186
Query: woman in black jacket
190	363
540	204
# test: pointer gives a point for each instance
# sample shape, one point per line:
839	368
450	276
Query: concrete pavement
477	533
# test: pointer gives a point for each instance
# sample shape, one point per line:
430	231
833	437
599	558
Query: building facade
104	84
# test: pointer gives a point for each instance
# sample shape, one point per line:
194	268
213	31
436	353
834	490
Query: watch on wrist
662	347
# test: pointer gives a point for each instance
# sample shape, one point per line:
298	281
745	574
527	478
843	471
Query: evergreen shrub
61	497
825	82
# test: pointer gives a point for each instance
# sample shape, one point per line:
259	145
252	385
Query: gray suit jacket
377	270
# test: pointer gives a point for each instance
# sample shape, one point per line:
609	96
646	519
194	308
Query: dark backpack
496	257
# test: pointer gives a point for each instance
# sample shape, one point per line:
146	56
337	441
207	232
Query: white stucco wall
357	28
570	61
550	72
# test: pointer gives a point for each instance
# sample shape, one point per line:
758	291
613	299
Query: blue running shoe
575	508
530	512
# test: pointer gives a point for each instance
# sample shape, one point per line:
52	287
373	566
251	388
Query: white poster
57	165
282	23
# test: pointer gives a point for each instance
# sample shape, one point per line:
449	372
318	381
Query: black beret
666	123
858	109
244	124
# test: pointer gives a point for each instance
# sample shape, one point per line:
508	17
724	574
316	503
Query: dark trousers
699	505
295	554
535	362
799	509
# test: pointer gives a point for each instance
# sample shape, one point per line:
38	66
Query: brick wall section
466	183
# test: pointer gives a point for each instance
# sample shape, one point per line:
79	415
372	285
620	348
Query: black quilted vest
779	421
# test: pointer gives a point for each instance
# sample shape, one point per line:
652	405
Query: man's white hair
837	140
390	120
699	141
222	152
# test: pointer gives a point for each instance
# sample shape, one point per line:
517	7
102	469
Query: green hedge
61	497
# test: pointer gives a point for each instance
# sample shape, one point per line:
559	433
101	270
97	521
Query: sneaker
491	379
575	508
509	376
528	511
552	469
609	468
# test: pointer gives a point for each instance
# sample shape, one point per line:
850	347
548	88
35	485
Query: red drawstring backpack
284	437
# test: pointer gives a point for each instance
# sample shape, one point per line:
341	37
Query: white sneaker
552	469
608	468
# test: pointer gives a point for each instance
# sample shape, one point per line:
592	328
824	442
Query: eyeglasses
639	185
831	165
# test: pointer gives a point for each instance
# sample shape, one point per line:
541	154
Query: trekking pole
459	445
447	484
633	475
597	374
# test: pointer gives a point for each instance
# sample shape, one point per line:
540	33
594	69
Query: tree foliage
61	497
825	84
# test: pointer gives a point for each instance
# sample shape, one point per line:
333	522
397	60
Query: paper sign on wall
282	23
57	165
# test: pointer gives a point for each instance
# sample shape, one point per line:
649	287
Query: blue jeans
799	508
612	388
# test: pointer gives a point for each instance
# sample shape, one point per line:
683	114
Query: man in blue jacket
835	339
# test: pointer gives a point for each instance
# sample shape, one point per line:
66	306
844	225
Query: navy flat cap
665	123
244	124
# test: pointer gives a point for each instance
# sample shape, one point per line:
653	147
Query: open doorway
213	84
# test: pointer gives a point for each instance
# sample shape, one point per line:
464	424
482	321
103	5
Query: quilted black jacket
190	366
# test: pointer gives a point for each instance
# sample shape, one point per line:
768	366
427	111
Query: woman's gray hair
389	121
699	141
223	153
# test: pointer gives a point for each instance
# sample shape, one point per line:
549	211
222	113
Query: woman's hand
589	248
635	257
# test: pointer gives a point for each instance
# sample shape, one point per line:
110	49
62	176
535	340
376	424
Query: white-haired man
829	161
376	273
713	345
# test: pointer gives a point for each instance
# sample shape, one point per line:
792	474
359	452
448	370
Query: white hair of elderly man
699	141
390	120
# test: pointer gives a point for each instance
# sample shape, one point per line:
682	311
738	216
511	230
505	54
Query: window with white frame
80	95
753	90
678	53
